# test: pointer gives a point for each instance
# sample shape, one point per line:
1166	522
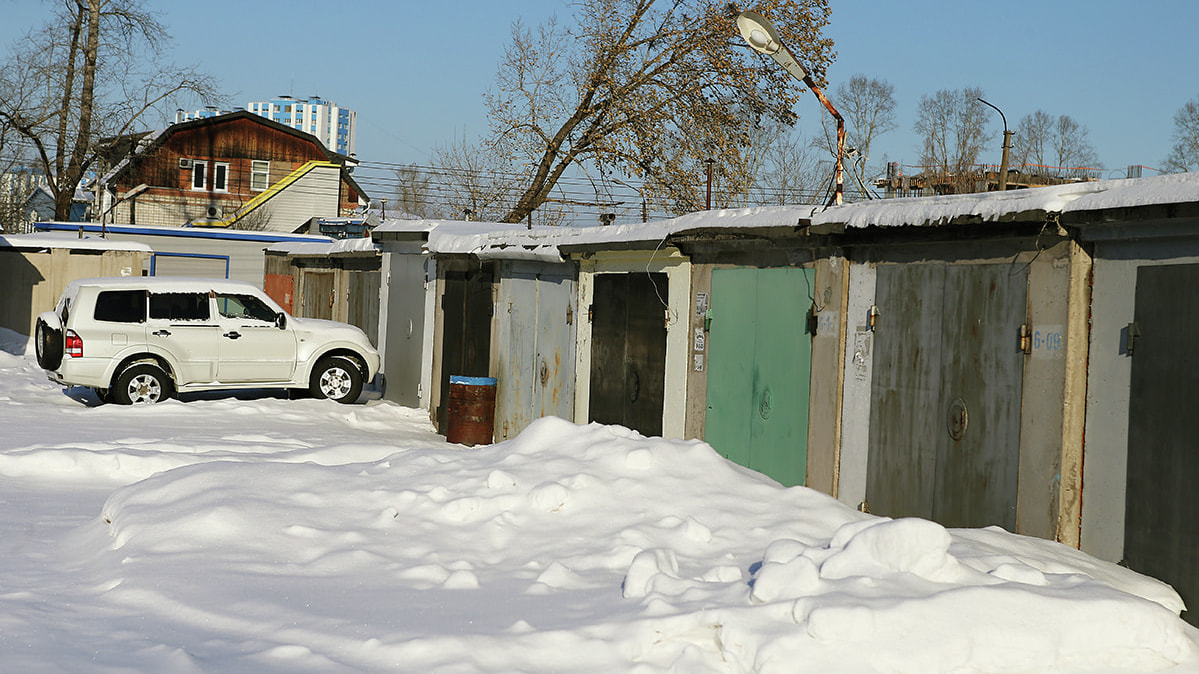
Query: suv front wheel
336	378
142	383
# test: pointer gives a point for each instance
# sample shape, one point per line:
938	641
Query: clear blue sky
416	72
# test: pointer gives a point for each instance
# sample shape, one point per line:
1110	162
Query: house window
199	175
260	172
220	177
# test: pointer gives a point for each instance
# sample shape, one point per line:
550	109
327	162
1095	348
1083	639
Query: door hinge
1025	342
591	313
570	315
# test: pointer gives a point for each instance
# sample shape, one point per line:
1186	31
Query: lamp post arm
839	191
1007	144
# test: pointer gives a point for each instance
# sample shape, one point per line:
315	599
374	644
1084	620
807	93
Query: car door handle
232	334
161	333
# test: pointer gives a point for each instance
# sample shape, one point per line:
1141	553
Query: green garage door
759	370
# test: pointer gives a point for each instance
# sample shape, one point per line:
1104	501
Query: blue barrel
470	410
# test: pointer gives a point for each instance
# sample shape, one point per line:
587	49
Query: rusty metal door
281	288
628	351
319	297
539	351
946	393
1161	526
466	306
759	369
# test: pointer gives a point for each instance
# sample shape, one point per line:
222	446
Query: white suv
141	339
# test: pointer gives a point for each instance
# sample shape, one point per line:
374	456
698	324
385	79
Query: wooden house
237	170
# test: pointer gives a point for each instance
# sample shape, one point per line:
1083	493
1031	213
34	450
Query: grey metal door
628	351
539	353
946	393
405	332
905	390
1161	521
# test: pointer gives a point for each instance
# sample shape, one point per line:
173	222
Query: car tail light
74	345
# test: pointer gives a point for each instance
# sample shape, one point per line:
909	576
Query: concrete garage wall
1108	385
35	269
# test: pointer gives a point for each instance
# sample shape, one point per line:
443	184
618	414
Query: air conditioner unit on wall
215	212
185	163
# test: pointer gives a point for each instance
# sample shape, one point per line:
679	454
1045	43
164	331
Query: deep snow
265	535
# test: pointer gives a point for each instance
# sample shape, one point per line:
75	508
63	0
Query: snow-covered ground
266	535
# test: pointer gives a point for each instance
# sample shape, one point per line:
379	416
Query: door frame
677	268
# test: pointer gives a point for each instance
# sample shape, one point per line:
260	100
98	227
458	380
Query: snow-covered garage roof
74	242
500	240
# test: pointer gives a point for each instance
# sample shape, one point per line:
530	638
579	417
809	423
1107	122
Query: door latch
1131	332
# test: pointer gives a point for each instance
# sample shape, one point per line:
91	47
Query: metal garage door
759	369
946	393
628	351
1161	522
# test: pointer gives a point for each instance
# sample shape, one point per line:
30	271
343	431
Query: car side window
179	306
244	306
121	306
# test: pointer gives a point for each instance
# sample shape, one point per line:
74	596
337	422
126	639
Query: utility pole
708	203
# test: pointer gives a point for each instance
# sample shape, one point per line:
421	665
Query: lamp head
758	32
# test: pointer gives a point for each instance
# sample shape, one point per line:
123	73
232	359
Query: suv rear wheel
336	378
48	342
142	383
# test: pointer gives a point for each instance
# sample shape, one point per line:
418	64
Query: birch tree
94	71
952	125
1184	155
1052	143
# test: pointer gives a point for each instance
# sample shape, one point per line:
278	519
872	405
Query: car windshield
244	306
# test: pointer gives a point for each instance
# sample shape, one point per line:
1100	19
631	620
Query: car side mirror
281	320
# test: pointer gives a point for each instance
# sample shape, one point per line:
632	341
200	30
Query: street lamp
763	38
1007	144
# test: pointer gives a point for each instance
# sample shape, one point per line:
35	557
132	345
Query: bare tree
93	71
472	178
1184	156
414	192
1057	145
792	172
257	220
1031	141
1073	145
648	88
868	106
952	125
